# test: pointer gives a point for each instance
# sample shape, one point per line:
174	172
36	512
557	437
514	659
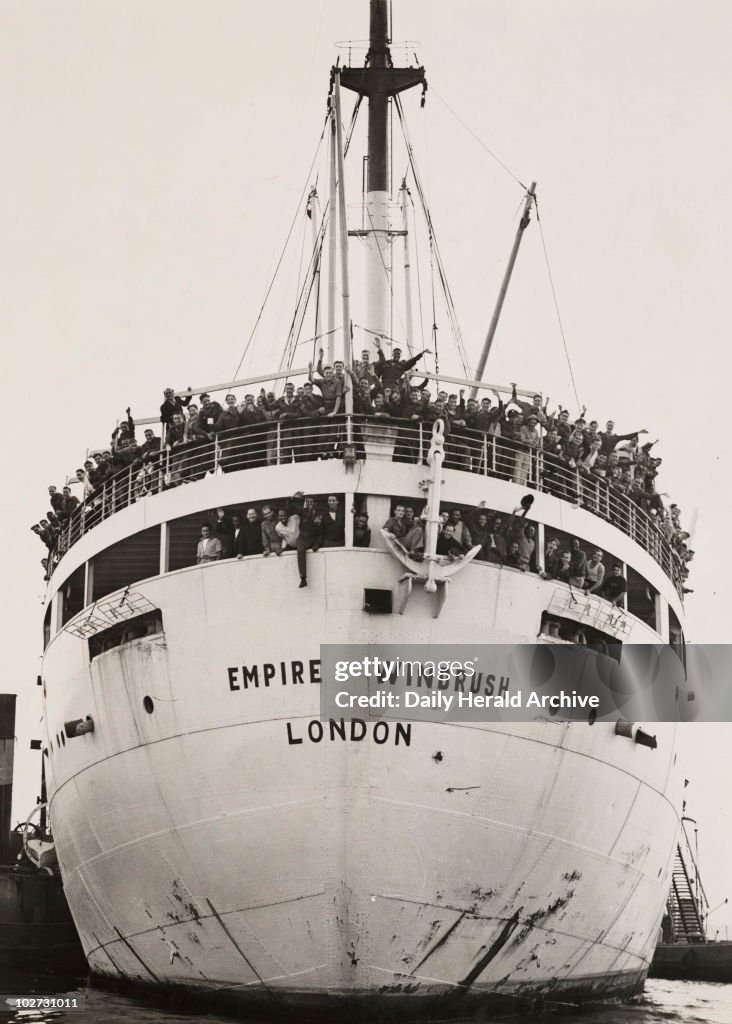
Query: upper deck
357	441
137	530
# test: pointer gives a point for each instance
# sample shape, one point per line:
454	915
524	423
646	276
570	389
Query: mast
332	243
523	224
379	81
345	285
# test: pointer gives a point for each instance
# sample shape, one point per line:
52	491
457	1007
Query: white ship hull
230	843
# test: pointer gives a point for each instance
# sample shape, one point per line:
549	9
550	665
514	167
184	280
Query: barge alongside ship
207	845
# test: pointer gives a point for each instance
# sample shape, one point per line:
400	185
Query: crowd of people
300	525
304	524
514	440
509	541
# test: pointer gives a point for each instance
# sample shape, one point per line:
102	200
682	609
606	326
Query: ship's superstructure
215	834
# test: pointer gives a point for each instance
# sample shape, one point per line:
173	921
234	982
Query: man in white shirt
594	572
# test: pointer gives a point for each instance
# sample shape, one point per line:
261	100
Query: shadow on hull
400	1002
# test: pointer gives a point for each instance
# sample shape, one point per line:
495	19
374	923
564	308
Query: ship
686	950
220	839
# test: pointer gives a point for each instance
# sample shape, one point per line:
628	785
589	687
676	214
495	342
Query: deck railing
370	438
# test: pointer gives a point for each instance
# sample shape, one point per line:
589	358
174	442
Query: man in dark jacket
226	423
253	442
390	371
68	504
361	531
310	405
448	545
610	439
310	536
56	499
238	546
410	412
252	534
208	417
333	527
287	412
171	405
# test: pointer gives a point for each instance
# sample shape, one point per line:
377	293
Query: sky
154	156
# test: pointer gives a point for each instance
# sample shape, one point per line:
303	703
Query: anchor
434	570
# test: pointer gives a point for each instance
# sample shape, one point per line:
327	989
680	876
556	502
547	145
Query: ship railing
372	438
355	51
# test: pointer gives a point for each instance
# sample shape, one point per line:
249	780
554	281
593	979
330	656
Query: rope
318	337
379	334
478	139
556	305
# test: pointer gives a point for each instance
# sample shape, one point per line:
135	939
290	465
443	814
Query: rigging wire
451	312
317	264
281	257
303	300
289	346
301	305
302	258
419	280
556	304
434	309
478	139
390	283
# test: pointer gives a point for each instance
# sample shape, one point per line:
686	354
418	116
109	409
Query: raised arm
380	359
314	380
514	399
407	364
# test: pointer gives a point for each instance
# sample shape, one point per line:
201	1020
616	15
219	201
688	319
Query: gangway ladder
683	906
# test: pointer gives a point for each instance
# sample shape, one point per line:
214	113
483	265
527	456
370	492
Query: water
664	1002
